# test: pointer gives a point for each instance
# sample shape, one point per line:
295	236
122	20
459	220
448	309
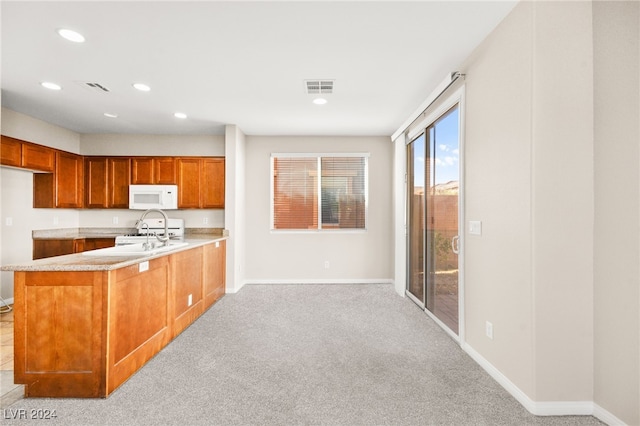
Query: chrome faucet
146	245
164	239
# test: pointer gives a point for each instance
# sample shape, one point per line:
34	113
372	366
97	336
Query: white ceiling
237	62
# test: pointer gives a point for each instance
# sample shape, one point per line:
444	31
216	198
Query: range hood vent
317	87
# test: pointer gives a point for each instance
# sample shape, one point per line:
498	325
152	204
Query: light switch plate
475	227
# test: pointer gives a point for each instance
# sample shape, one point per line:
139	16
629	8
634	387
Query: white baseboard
541	408
7	302
320	281
605	416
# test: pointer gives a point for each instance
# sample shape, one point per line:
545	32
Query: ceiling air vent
316	87
96	87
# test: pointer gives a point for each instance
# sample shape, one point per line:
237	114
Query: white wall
556	267
178	145
17	194
529	179
562	209
617	209
299	257
498	270
30	129
235	210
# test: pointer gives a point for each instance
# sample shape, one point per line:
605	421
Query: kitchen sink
133	250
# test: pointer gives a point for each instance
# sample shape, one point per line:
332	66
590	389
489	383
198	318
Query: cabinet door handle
455	244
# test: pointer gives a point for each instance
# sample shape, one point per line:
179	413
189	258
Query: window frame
318	156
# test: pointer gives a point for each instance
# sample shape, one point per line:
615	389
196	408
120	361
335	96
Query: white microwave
143	197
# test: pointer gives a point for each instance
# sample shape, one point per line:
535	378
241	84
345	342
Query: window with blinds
318	192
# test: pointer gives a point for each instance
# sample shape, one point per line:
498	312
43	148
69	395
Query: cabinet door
53	247
38	157
188	183
96	188
213	272
69	180
164	170
43	190
142	171
187	285
212	181
119	171
98	243
10	151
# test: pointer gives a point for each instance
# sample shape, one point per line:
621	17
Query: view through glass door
433	182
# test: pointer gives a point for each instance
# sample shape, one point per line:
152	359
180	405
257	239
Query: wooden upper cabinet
18	153
119	173
96	190
64	187
107	182
188	183
141	171
10	152
200	182
165	170
153	170
38	157
69	173
212	182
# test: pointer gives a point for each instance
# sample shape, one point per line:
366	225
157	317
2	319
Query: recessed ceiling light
51	86
319	101
141	87
110	115
71	35
180	115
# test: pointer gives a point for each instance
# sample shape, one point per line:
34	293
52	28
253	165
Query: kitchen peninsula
85	323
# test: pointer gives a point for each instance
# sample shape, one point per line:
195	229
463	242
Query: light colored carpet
310	355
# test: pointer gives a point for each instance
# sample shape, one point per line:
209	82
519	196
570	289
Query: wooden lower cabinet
83	334
98	243
57	247
187	276
214	270
138	318
59	333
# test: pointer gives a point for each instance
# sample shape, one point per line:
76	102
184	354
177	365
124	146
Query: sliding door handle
455	244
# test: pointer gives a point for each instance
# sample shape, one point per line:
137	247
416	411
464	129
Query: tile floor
9	391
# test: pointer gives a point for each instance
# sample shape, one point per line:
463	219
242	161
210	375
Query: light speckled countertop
74	233
82	262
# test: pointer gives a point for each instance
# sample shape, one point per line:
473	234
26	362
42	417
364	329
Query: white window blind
319	192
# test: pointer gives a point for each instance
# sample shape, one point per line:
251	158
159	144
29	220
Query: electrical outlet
8	221
205	220
326	264
143	266
56	220
489	330
115	220
189	300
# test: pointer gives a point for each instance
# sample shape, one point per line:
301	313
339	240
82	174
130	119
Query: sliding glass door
433	180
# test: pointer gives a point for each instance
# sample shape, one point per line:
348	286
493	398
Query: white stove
155	227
